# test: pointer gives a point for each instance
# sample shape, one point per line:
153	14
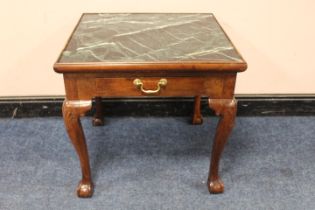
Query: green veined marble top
149	37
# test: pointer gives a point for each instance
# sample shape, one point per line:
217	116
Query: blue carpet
159	163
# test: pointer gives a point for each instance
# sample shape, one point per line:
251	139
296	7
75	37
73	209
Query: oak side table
145	54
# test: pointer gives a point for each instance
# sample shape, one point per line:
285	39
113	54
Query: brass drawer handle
139	84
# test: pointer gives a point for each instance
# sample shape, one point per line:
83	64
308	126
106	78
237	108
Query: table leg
197	117
98	119
226	109
72	111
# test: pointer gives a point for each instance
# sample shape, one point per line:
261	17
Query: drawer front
159	86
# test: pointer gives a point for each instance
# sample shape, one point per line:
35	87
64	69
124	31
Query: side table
149	54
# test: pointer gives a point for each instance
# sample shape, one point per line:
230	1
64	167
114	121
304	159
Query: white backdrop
277	38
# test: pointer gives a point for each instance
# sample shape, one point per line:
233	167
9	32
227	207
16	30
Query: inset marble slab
149	37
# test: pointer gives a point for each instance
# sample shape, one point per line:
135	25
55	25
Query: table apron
82	87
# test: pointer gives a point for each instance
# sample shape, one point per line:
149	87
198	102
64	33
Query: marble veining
137	37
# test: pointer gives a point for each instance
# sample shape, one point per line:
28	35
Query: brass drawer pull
139	84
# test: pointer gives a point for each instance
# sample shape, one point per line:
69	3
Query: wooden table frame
85	82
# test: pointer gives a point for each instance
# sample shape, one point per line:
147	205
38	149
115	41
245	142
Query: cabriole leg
197	117
98	119
72	111
226	109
